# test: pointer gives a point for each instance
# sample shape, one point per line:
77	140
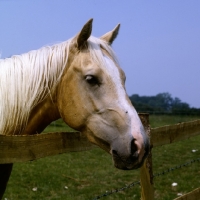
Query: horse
80	81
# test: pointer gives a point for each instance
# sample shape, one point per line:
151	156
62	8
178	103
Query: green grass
162	120
57	126
91	173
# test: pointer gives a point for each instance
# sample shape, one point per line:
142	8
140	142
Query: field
85	175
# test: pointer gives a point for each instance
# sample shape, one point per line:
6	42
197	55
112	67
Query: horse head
91	98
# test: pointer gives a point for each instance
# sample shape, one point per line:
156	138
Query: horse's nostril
114	152
133	147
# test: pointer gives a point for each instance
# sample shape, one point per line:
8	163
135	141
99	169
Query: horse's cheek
71	108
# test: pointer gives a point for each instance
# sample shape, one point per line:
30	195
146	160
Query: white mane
25	80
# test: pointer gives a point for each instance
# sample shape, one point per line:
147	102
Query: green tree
162	103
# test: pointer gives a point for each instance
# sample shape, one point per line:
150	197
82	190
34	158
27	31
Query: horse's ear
110	36
84	34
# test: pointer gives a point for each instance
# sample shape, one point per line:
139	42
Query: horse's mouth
126	163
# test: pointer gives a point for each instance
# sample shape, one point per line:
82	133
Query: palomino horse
81	82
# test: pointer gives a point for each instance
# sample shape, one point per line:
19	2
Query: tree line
162	103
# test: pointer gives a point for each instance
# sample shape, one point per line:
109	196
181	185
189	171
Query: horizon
173	97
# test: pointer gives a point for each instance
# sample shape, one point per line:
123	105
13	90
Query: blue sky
158	45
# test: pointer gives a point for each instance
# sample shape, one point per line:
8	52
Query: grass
84	175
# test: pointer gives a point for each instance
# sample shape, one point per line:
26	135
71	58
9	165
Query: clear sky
158	45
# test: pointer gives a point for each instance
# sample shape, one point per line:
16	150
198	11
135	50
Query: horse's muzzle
132	161
126	163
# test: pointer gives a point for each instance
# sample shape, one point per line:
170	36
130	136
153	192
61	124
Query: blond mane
27	79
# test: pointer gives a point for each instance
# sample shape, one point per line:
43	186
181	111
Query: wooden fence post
146	171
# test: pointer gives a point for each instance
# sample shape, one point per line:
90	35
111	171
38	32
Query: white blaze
115	76
135	126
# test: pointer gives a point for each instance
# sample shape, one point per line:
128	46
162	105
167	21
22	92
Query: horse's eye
92	80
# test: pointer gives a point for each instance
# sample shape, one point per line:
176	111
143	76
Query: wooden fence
163	136
25	148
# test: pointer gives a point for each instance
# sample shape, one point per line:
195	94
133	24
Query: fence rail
25	148
174	133
194	195
15	149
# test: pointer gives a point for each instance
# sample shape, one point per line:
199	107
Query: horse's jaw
127	152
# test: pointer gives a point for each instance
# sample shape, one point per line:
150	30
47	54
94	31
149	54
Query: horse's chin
127	167
122	164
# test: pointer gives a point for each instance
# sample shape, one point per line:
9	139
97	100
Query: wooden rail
174	133
194	195
25	148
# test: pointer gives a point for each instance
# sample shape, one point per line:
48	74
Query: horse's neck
41	116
